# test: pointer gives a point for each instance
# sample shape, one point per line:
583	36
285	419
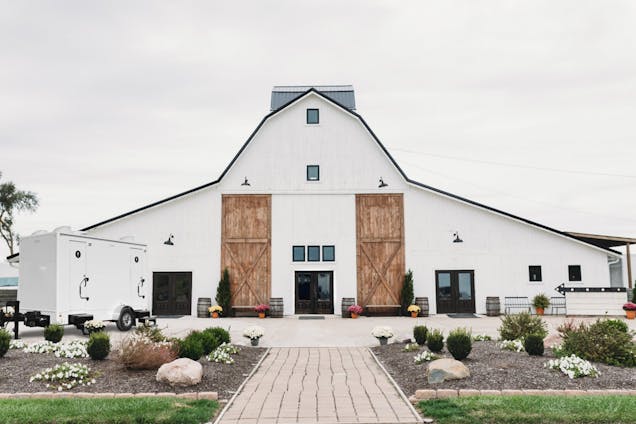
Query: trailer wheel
126	319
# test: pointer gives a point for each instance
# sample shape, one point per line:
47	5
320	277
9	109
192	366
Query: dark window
535	272
313	173
298	253
313	253
574	272
328	253
312	116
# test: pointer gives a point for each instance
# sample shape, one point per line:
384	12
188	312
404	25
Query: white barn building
314	209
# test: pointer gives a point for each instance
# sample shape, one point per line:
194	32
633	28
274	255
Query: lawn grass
107	411
532	409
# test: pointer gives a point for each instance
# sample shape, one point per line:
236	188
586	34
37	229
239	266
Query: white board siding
595	303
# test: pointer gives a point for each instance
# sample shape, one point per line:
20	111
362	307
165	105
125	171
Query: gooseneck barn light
169	241
382	183
246	183
456	238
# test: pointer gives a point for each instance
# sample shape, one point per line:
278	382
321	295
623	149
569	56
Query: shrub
419	334
520	325
140	353
53	333
98	345
459	343
533	344
153	333
192	346
618	325
406	295
223	294
602	341
221	334
541	301
5	342
435	341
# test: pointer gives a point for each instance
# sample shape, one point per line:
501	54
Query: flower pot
354	316
414	314
254	342
540	311
630	314
383	340
215	314
261	315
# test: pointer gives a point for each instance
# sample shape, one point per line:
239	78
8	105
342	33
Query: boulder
180	372
440	370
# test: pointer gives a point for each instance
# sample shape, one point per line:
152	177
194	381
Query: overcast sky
527	106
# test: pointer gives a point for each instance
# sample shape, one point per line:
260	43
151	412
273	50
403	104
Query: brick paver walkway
319	385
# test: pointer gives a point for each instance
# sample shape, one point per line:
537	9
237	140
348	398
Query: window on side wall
313	173
313	116
298	253
535	273
574	272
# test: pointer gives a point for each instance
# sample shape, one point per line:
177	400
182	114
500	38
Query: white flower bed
94	325
424	357
513	345
72	349
573	366
382	331
65	376
41	347
254	332
17	344
411	347
223	354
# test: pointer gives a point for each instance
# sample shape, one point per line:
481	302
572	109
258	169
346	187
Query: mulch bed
17	367
494	369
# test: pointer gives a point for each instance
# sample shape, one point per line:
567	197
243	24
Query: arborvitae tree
407	293
224	295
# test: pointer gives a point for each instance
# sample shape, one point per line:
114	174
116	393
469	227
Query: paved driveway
319	385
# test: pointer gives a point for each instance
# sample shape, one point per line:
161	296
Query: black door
455	291
172	293
314	292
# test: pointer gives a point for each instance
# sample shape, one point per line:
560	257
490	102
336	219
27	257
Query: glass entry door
172	293
314	292
455	291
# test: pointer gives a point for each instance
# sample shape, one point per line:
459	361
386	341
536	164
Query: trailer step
78	320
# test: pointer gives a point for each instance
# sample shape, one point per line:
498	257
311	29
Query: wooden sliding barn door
380	248
246	245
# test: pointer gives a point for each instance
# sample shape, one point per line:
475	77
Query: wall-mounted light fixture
456	238
169	241
382	183
246	183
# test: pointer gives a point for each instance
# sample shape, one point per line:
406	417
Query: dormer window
313	116
313	173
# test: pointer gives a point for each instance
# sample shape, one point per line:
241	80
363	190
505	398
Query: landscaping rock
441	370
180	372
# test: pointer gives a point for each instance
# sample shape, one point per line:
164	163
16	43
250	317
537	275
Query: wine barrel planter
202	307
346	302
422	302
493	306
276	307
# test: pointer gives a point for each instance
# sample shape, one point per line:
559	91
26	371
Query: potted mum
540	302
8	311
355	310
414	310
215	311
94	326
254	333
261	309
630	310
382	333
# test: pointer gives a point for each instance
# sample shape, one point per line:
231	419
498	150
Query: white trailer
68	277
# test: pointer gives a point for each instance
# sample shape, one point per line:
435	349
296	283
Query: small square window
574	272
313	253
535	272
298	253
313	116
313	173
328	253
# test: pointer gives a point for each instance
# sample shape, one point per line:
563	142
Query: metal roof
603	240
341	94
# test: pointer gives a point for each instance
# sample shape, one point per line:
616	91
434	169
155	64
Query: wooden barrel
276	307
422	302
493	307
202	307
346	302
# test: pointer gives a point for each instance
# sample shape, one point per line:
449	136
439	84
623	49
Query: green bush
419	334
533	344
617	324
192	346
224	294
406	295
98	346
435	341
520	325
154	333
54	333
602	341
459	343
213	337
5	342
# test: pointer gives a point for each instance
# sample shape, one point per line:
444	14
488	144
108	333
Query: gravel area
494	369
17	367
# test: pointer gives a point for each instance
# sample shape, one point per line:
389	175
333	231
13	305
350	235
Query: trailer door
79	283
138	283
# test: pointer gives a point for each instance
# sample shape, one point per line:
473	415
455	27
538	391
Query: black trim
312	260
386	152
294	258
334	253
317	115
13	256
317	168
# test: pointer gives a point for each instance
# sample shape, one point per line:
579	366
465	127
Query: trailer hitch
141	284
84	281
